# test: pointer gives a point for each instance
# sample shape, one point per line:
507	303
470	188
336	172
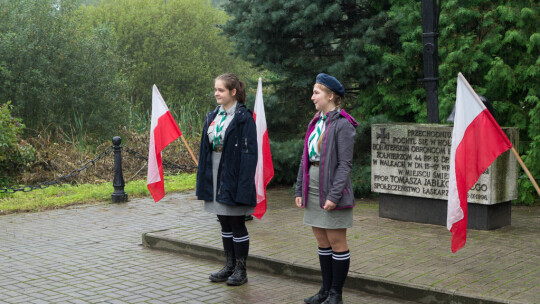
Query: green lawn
65	195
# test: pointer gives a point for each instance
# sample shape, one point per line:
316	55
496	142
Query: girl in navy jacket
226	173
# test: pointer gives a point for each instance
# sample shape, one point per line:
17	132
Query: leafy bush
57	72
174	44
14	153
375	49
361	177
286	159
361	170
526	193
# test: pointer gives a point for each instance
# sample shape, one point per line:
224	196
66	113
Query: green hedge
286	159
15	153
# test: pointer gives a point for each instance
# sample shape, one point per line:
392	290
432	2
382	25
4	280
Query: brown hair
336	99
232	82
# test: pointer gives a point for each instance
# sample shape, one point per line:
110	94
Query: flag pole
189	149
531	178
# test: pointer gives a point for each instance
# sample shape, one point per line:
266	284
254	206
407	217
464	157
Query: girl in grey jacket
323	185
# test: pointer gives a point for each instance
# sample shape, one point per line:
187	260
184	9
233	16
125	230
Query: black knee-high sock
240	236
340	268
325	259
241	246
227	238
226	234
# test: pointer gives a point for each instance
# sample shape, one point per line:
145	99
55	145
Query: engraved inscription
414	160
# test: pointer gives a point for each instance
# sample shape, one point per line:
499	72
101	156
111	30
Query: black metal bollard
119	195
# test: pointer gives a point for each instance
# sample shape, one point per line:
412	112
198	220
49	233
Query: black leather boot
239	277
318	298
333	298
225	272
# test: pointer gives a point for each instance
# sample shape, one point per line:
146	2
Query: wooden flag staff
531	178
189	149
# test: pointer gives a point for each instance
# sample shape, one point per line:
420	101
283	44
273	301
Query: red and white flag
265	168
477	140
163	131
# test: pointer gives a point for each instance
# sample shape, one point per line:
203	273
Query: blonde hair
336	99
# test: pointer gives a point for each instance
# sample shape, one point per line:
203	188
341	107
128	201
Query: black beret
332	83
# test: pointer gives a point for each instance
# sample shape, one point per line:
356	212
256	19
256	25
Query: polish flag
163	131
265	168
477	140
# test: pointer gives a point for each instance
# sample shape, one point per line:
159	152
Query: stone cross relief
383	136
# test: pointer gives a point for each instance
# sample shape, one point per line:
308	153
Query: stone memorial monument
409	170
410	162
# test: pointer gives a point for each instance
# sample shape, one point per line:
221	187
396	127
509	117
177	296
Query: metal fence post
119	195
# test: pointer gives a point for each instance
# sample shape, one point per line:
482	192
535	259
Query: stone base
433	211
120	197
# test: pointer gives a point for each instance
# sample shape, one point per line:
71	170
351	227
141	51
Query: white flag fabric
163	131
477	140
265	168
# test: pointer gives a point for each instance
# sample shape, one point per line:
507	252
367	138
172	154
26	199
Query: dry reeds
56	156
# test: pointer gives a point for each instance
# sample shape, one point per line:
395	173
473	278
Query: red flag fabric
163	131
265	167
477	140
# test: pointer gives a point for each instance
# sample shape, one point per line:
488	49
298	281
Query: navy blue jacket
236	173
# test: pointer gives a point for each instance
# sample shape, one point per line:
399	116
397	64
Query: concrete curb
373	285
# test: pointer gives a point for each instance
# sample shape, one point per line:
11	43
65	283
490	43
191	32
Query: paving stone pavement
93	254
497	266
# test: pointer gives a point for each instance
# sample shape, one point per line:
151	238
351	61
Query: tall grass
188	116
60	151
138	120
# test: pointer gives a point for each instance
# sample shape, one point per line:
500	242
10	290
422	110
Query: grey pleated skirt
316	216
217	207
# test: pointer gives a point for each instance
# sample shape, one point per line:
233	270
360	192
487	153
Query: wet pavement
93	254
408	260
